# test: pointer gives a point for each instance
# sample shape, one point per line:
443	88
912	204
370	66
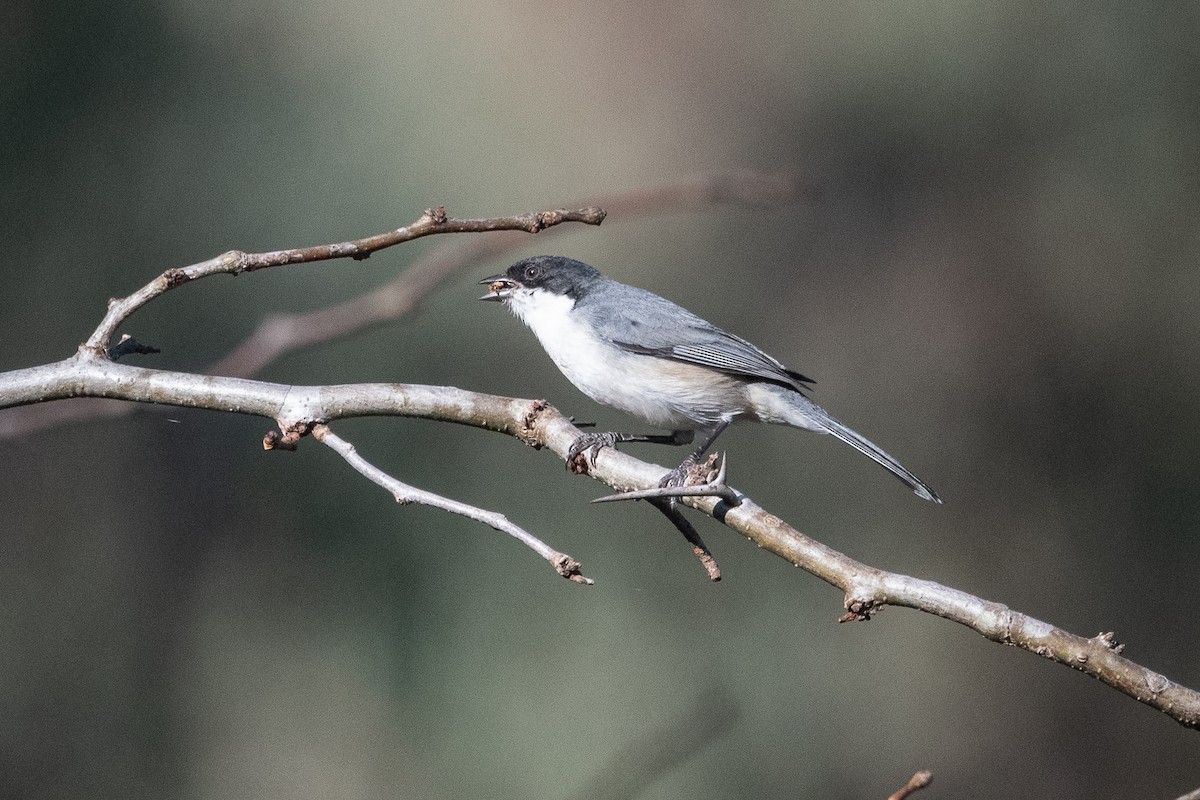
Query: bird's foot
693	473
582	453
689	479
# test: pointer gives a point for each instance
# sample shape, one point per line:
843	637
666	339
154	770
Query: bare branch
918	781
235	262
300	410
681	523
284	333
404	494
867	590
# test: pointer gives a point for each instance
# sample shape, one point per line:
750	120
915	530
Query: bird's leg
708	485
679	475
683	482
590	443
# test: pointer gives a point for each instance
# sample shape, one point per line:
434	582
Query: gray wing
650	325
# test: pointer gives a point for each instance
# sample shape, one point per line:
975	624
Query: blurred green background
992	273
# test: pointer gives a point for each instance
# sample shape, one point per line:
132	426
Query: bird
631	349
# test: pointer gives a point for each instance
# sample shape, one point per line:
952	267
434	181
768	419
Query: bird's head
557	275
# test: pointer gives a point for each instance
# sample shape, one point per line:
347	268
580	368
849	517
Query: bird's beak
500	287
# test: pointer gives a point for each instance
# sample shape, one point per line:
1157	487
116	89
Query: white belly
664	393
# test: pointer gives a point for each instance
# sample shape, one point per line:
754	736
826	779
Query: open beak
500	287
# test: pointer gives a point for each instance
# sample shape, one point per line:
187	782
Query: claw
591	443
708	485
583	451
690	473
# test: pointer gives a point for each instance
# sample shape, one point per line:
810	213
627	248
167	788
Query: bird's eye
532	273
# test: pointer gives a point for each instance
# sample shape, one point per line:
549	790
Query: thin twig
918	781
284	333
681	523
404	494
235	262
280	334
726	493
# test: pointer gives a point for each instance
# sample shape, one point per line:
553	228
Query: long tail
873	452
784	405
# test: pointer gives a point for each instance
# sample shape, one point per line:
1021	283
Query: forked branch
403	494
300	410
282	333
235	262
867	589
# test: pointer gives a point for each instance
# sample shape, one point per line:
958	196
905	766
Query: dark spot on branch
288	439
274	440
174	277
578	464
569	568
527	435
709	563
1108	641
860	609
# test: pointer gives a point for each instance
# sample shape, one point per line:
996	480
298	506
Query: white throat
548	315
539	308
583	357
